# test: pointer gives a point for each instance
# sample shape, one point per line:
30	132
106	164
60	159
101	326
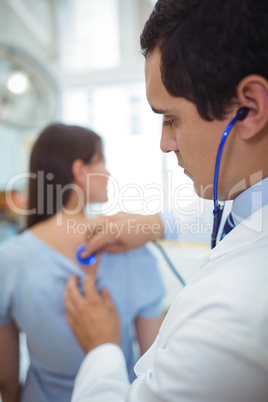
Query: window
91	35
143	179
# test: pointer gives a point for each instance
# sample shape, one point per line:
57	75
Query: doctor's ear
252	92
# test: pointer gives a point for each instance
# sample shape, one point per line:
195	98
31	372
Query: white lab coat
213	343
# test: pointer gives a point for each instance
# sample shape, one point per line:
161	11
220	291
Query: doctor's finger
97	243
115	247
92	294
69	304
73	294
107	298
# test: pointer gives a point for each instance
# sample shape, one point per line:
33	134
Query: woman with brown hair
67	171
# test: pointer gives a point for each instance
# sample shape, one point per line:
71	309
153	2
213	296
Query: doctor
204	59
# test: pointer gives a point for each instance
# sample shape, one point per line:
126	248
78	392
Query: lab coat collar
248	231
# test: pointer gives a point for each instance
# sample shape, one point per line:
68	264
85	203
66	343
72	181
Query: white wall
46	30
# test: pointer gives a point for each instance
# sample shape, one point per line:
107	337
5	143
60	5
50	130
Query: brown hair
52	156
207	47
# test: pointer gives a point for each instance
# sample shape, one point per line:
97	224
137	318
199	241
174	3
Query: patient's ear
252	92
78	171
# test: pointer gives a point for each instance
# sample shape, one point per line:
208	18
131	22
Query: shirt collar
249	231
250	201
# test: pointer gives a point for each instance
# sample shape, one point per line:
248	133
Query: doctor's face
193	140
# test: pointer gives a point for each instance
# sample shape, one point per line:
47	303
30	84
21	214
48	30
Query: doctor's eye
168	123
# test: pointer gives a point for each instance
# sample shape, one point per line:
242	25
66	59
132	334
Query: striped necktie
228	226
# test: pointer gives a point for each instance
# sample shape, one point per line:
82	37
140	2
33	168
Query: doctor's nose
168	142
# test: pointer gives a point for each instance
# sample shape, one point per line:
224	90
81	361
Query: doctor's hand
122	232
93	318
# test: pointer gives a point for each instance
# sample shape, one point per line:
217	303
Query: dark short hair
207	47
52	156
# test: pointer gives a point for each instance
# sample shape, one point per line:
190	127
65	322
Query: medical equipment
90	260
168	261
218	208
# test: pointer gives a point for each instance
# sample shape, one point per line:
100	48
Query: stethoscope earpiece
242	113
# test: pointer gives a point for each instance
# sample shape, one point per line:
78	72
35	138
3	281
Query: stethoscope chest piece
90	260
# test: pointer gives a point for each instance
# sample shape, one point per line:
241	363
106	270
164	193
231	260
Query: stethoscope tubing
171	266
218	209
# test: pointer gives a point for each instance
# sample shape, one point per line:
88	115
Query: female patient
67	171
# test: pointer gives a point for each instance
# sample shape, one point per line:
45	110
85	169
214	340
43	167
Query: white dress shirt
213	343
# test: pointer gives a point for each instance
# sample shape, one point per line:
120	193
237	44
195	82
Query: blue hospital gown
32	281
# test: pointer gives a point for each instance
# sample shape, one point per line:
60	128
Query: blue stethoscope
217	211
85	261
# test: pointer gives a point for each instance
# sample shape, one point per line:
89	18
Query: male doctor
204	60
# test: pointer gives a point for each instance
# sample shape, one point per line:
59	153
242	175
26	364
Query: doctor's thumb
107	298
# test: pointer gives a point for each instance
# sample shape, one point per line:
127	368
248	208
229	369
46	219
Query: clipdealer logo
134	198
